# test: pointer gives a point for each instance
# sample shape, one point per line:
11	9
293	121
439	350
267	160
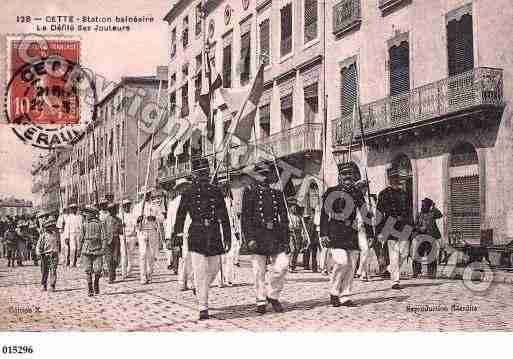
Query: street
159	306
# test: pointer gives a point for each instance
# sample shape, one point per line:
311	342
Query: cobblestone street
159	306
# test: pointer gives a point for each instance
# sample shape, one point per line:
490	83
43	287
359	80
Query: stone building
106	160
288	37
434	80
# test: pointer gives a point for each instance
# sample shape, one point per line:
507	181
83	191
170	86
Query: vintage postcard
256	166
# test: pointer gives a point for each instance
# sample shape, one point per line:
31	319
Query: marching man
128	239
265	228
185	276
209	232
91	249
72	229
149	234
339	232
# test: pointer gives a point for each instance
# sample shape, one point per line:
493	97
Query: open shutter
227	66
349	89
265	42
286	29
460	45
399	69
310	20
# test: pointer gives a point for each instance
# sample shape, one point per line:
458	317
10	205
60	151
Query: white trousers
344	263
363	269
127	246
185	273
276	278
64	250
205	271
73	246
325	260
397	252
148	251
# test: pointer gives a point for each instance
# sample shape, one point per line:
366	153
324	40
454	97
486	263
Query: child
49	247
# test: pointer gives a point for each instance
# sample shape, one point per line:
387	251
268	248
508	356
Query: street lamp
341	154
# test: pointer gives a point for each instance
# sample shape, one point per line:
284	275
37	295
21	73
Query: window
265	120
310	20
197	87
286	112
311	103
245	57
185	32
286	29
172	104
460	45
346	16
198	19
172	80
185	100
399	68
227	66
349	91
111	142
173	42
185	71
265	53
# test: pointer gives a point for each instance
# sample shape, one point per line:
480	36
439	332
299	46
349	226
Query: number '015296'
17	349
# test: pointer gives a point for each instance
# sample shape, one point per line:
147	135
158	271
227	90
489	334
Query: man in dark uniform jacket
209	232
265	229
339	232
111	230
395	228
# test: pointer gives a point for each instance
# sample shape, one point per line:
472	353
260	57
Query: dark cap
345	169
428	201
392	173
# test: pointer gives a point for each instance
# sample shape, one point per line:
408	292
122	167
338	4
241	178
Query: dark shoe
43	288
194	291
52	288
335	301
349	303
203	315
396	286
262	308
237	264
325	272
277	307
97	284
170	267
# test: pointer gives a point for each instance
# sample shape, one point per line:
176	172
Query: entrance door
403	164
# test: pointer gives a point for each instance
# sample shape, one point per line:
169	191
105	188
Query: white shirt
130	220
72	225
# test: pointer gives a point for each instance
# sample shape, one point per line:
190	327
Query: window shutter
310	20
460	46
286	29
197	90
312	91
349	89
465	208
399	68
227	66
265	42
185	100
245	56
286	102
265	113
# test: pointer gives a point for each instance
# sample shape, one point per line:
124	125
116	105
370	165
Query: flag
243	122
211	81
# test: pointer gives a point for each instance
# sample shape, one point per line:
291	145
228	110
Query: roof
129	80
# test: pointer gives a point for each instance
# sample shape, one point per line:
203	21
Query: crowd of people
204	236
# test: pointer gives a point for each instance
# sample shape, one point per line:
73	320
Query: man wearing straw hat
72	229
149	234
209	232
48	247
129	238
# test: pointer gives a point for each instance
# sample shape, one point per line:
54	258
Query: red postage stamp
41	89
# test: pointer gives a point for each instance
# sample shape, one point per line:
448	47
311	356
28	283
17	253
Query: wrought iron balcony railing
473	89
387	5
171	172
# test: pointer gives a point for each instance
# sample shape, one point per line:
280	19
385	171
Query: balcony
346	16
172	172
387	5
474	90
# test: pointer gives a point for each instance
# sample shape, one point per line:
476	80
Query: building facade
434	80
106	160
288	38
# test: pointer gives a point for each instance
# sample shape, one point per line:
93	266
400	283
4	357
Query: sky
112	55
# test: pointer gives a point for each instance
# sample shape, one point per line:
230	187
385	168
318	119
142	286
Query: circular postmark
47	90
